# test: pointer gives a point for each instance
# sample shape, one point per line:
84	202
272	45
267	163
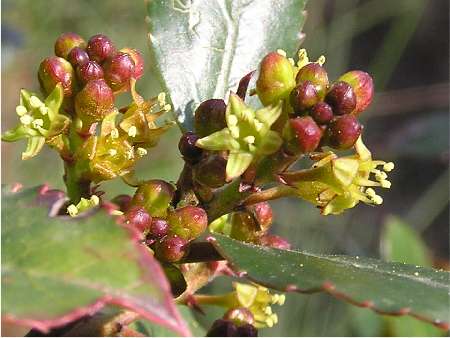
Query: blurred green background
403	43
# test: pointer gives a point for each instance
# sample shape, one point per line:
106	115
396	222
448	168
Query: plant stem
269	194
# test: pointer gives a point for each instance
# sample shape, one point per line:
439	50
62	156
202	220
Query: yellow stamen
321	60
132	131
21	110
162	99
43	110
115	133
26	119
95	200
281	52
388	166
249	139
72	210
141	152
35	102
38	123
112	152
232	120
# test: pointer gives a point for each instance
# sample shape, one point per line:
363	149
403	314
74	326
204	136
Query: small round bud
77	57
188	149
211	171
318	76
362	85
158	228
119	69
274	241
123	201
139	218
263	214
66	42
88	71
210	117
188	222
94	101
54	70
307	133
343	132
303	97
276	79
155	196
171	249
100	47
341	98
138	61
239	316
322	113
247	330
222	328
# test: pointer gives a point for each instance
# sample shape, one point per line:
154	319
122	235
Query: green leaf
203	48
389	288
401	243
57	269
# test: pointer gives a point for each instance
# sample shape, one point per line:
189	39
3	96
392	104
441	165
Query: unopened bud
54	70
322	113
100	47
303	97
222	328
123	202
362	85
343	132
77	57
171	249
276	79
211	171
66	42
138	61
317	75
89	71
158	228
119	69
188	222
210	117
155	196
139	218
188	149
341	98
94	102
307	133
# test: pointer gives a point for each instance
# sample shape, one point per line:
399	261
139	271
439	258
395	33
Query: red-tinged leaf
58	269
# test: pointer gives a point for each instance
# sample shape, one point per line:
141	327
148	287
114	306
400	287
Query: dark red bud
138	61
322	113
318	76
222	328
158	228
122	201
154	196
91	70
77	57
54	70
341	98
188	149
210	117
66	42
94	102
139	218
188	222
274	241
119	69
247	330
100	47
362	85
307	133
171	249
303	97
211	171
263	214
343	132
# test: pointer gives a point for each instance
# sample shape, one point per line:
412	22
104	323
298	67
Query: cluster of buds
167	230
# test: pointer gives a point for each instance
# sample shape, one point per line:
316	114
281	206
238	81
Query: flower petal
220	140
238	162
34	146
270	143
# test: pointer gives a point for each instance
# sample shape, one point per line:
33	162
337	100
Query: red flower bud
138	61
66	42
223	328
307	133
211	171
318	76
341	98
155	196
100	47
322	113
191	153
89	71
94	101
158	228
139	218
362	85
343	132
77	57
123	201
54	70
274	241
171	249
188	222
263	214
119	69
210	117
303	96
276	79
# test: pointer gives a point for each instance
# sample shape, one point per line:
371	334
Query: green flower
338	183
40	122
247	136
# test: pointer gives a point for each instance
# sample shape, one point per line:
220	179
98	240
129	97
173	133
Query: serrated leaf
389	288
203	48
57	269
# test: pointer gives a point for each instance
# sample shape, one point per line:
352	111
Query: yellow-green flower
40	122
338	183
247	136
